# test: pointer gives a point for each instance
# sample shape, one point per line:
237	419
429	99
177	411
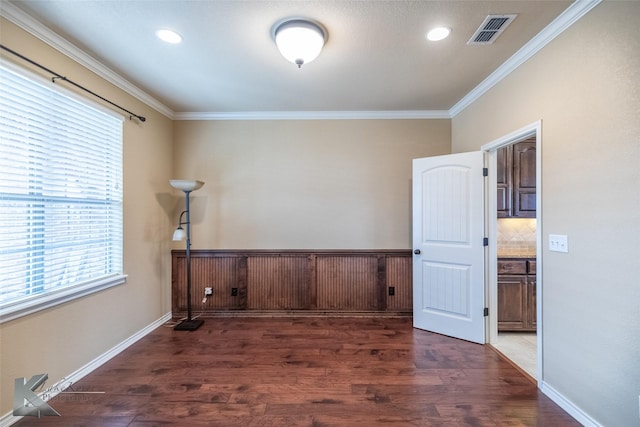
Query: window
60	195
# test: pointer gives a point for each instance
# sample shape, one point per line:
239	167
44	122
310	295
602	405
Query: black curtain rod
59	76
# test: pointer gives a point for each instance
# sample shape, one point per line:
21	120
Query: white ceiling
376	58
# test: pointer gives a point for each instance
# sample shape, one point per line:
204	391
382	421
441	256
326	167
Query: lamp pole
189	324
189	319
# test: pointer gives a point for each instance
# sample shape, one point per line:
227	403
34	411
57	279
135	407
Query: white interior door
448	234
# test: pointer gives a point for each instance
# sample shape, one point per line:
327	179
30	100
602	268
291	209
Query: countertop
518	256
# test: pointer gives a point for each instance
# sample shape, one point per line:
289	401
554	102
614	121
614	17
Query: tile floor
521	348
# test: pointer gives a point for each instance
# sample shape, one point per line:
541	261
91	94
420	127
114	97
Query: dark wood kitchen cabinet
511	303
516	177
531	302
505	181
517	294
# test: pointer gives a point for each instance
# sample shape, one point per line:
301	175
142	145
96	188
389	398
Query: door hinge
486	311
485	241
485	171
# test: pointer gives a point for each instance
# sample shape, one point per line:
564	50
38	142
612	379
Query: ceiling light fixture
438	33
169	36
299	40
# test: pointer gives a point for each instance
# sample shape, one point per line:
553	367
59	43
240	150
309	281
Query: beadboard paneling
294	281
347	283
279	282
399	275
219	273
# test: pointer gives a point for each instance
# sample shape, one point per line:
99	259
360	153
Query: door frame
490	150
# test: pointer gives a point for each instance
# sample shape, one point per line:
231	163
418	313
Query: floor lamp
189	324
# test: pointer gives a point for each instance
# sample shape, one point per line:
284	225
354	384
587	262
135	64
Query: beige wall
585	87
61	340
317	184
346	184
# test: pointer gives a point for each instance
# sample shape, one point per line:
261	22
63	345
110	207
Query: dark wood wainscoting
332	281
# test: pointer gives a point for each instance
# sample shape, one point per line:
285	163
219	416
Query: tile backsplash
516	237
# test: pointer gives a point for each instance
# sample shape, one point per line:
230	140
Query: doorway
523	348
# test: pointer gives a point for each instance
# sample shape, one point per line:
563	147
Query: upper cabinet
505	182
524	179
517	180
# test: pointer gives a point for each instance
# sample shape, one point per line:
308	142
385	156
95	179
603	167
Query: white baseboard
9	419
568	406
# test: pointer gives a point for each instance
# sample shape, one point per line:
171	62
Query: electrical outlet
558	243
234	292
208	291
392	291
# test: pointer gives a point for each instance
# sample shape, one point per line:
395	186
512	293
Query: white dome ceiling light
300	40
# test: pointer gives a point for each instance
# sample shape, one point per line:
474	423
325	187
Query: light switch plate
558	243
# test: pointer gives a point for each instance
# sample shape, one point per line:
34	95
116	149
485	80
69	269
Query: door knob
417	252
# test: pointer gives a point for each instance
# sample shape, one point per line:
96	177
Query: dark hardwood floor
308	372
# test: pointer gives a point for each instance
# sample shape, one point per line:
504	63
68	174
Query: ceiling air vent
491	28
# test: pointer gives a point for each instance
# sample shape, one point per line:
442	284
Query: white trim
490	149
316	115
52	298
539	259
491	275
515	136
567	18
570	407
8	419
37	29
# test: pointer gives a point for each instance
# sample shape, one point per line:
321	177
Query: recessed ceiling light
169	36
439	33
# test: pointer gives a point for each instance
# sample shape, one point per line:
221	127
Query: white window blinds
60	195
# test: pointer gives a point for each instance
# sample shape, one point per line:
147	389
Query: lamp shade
185	185
179	234
299	41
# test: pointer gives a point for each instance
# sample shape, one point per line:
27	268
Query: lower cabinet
531	291
516	294
512	303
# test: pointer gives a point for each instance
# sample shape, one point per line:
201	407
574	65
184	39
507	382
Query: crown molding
315	115
37	29
567	18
